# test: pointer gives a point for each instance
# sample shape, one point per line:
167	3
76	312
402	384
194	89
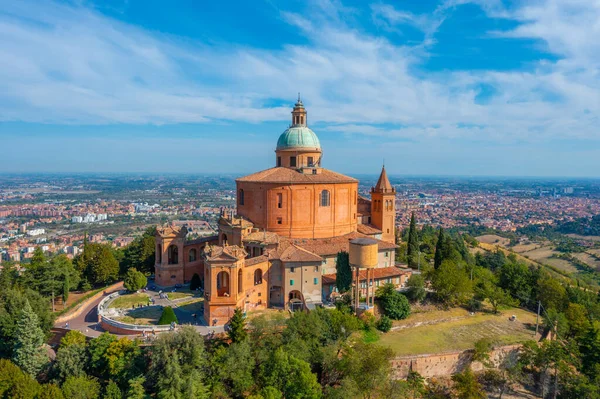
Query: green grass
80	300
147	315
179	295
370	336
457	330
127	301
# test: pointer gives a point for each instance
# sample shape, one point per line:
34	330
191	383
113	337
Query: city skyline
470	88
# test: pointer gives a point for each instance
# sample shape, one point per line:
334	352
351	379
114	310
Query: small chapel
279	248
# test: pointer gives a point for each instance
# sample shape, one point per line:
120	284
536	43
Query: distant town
54	212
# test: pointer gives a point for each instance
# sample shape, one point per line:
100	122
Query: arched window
223	284
159	254
325	200
355	198
224	239
240	281
192	255
241	197
258	276
173	254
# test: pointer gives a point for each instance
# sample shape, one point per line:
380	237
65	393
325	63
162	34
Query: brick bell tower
383	207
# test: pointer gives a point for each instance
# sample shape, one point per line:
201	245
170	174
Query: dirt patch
493	239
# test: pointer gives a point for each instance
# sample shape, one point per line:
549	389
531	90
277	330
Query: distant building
36	232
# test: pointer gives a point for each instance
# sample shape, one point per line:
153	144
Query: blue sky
456	87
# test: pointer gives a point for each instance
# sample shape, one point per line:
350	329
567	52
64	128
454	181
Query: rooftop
287	175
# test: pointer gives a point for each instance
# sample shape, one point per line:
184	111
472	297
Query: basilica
278	249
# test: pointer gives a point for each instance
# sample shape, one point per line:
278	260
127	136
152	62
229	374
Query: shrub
384	324
416	288
394	304
167	317
134	280
196	282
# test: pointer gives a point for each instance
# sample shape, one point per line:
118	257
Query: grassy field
524	248
545	255
588	259
179	295
493	239
445	331
127	301
147	315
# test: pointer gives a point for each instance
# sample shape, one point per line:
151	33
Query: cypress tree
237	324
439	248
343	275
412	252
29	352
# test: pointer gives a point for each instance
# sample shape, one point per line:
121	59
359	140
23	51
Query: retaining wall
447	364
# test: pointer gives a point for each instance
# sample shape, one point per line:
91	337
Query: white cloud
69	64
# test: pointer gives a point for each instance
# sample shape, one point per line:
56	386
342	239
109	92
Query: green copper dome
298	137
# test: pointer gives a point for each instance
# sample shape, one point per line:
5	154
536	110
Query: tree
12	303
292	376
175	358
73	337
134	280
196	282
412	253
552	293
14	383
451	283
384	324
97	349
495	295
438	257
50	391
136	388
98	264
81	388
516	278
167	317
112	391
577	319
70	361
467	386
29	352
237	327
416	288
343	275
124	360
140	254
368	367
394	304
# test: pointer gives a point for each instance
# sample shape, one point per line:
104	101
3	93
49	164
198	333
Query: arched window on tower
241	197
173	255
192	255
159	254
325	200
224	239
258	277
240	281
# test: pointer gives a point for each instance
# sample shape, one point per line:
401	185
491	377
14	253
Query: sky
449	87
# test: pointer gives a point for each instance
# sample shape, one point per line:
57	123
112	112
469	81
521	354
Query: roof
202	240
378	272
256	260
230	252
171	231
263	237
331	246
298	137
294	253
383	184
292	176
368	229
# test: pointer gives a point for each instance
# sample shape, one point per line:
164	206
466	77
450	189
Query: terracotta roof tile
256	260
331	246
287	175
368	229
294	253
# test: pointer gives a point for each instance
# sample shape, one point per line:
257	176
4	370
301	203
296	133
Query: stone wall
446	364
